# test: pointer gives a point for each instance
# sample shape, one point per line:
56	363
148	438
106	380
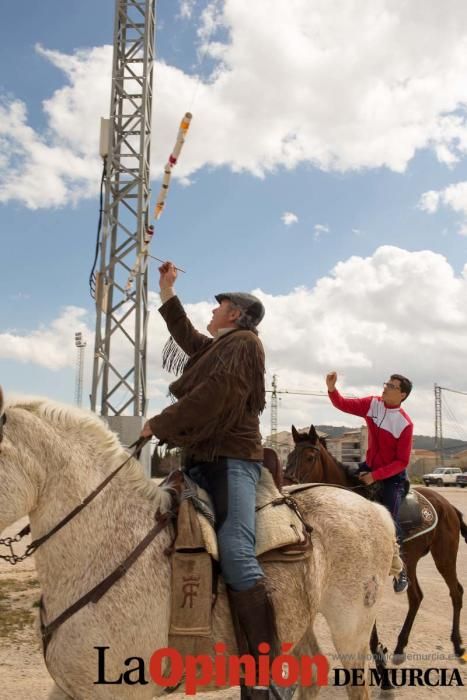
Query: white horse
53	456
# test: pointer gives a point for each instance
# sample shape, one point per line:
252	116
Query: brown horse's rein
293	476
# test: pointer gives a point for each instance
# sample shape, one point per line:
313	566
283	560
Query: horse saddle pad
279	525
417	515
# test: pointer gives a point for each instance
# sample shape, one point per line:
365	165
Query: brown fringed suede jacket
220	393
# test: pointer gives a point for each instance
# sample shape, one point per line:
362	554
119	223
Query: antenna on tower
80	344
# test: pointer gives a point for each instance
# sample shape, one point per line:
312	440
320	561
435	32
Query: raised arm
179	325
357	407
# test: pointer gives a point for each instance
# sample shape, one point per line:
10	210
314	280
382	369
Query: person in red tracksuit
390	432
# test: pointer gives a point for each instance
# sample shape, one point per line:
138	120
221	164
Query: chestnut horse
310	461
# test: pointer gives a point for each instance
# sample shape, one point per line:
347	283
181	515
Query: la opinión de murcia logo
223	670
285	670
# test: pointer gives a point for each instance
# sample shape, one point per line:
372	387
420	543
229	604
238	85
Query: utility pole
274	411
80	345
275	405
438	424
120	352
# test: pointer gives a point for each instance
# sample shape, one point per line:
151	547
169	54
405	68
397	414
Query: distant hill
421	442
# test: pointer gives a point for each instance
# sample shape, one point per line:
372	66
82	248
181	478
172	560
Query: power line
453	391
297	391
457	425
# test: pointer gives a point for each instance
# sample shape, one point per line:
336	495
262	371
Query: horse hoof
462	656
398	659
386	687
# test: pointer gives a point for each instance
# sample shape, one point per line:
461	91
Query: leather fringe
173	357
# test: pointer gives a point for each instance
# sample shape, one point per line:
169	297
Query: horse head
22	472
304	463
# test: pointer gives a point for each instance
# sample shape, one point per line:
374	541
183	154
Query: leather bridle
293	473
161	521
292	470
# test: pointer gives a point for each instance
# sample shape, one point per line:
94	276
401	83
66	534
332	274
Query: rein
294	475
13	558
96	593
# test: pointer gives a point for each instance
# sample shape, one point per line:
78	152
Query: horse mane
71	417
322	440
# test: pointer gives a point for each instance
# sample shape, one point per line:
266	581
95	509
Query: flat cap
250	304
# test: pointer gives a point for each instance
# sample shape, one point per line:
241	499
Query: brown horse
310	461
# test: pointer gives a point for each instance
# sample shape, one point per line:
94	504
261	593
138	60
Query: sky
325	171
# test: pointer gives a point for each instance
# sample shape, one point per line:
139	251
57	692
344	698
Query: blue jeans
231	484
390	494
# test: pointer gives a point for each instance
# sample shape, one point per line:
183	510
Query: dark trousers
390	494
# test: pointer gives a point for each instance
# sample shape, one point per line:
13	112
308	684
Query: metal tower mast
119	371
438	423
80	345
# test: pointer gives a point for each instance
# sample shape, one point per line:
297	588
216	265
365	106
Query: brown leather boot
254	622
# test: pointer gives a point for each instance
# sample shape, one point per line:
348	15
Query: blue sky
325	169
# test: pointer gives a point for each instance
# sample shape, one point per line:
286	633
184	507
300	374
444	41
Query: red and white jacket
390	433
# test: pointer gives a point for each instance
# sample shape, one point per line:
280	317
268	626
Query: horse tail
463	526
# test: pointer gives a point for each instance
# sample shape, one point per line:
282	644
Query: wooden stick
163	261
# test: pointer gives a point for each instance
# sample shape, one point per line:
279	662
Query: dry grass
18	597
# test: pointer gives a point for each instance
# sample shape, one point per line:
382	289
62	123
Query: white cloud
454	197
395	311
49	346
429	201
289	218
325	99
38	173
186	8
319	229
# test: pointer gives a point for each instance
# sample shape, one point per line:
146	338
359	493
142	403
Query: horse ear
312	434
1	400
295	434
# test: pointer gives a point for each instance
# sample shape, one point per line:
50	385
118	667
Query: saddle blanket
278	525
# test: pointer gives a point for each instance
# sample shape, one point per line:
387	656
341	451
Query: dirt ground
23	675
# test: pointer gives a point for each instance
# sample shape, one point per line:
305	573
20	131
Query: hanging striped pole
160	203
182	132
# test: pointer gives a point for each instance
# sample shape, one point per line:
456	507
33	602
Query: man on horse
390	433
215	419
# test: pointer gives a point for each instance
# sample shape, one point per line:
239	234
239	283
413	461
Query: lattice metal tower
80	344
119	371
438	423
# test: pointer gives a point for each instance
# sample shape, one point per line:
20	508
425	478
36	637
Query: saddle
282	535
417	515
